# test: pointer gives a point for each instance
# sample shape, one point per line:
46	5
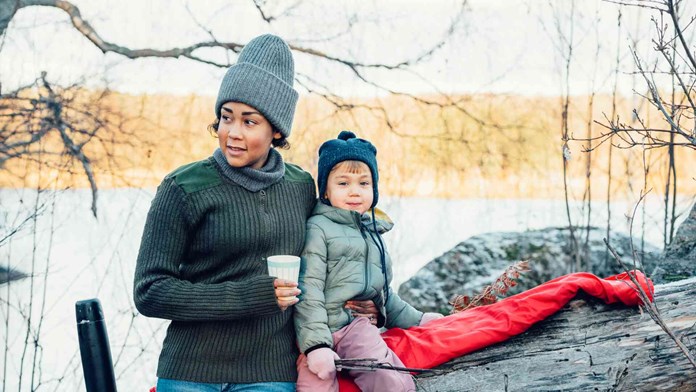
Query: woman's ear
277	135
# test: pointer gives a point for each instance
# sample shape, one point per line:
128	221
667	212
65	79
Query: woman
211	225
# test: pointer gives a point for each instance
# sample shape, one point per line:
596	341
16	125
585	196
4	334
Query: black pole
94	347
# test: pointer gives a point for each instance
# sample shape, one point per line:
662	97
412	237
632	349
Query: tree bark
587	346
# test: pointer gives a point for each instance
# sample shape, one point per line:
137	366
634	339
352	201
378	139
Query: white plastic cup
284	267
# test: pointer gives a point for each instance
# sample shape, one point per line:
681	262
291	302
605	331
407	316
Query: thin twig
372	364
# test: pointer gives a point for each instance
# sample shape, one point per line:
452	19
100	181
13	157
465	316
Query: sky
498	46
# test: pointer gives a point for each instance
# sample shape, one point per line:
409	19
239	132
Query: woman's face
245	135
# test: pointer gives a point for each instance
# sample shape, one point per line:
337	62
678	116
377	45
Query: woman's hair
277	143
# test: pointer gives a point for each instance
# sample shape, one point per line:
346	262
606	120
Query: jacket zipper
367	256
265	219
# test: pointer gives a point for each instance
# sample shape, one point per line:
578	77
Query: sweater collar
250	179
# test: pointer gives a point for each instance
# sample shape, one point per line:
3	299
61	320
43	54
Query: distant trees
675	66
661	114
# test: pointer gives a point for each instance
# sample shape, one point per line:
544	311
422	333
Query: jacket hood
346	217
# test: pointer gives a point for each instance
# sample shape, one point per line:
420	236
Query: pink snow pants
359	339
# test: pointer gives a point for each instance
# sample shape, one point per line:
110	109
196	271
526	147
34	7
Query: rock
587	346
476	262
679	259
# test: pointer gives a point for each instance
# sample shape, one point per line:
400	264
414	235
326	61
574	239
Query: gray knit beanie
263	78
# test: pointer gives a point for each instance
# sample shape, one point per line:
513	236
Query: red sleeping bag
453	336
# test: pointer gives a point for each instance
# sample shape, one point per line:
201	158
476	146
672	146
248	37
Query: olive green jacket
341	261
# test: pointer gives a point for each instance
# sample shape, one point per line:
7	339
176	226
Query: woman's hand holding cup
286	293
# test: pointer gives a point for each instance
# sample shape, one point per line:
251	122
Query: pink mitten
321	362
428	317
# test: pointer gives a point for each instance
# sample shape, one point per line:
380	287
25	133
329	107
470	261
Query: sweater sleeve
400	314
160	292
311	320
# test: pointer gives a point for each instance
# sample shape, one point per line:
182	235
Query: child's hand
286	293
428	317
363	309
321	362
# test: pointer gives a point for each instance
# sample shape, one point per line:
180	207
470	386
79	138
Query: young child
345	258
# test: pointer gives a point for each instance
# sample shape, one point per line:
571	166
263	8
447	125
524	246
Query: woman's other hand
366	309
286	293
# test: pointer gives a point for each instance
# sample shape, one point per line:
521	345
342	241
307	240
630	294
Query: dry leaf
489	294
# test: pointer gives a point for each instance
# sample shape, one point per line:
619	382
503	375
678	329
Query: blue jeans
167	385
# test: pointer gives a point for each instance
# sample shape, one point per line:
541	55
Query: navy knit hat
263	78
347	147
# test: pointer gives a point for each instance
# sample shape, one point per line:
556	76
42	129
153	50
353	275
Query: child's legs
361	339
310	382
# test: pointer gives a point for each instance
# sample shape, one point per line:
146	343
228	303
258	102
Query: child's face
349	186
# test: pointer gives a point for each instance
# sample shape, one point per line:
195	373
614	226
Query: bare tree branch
268	18
86	29
679	32
33	116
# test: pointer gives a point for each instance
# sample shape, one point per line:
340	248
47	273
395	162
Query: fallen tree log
587	346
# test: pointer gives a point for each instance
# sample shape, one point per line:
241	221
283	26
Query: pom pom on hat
345	135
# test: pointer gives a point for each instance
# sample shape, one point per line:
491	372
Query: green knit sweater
202	266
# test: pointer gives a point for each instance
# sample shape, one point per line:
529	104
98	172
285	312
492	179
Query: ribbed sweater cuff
258	297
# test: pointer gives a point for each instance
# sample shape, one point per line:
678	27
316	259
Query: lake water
74	256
